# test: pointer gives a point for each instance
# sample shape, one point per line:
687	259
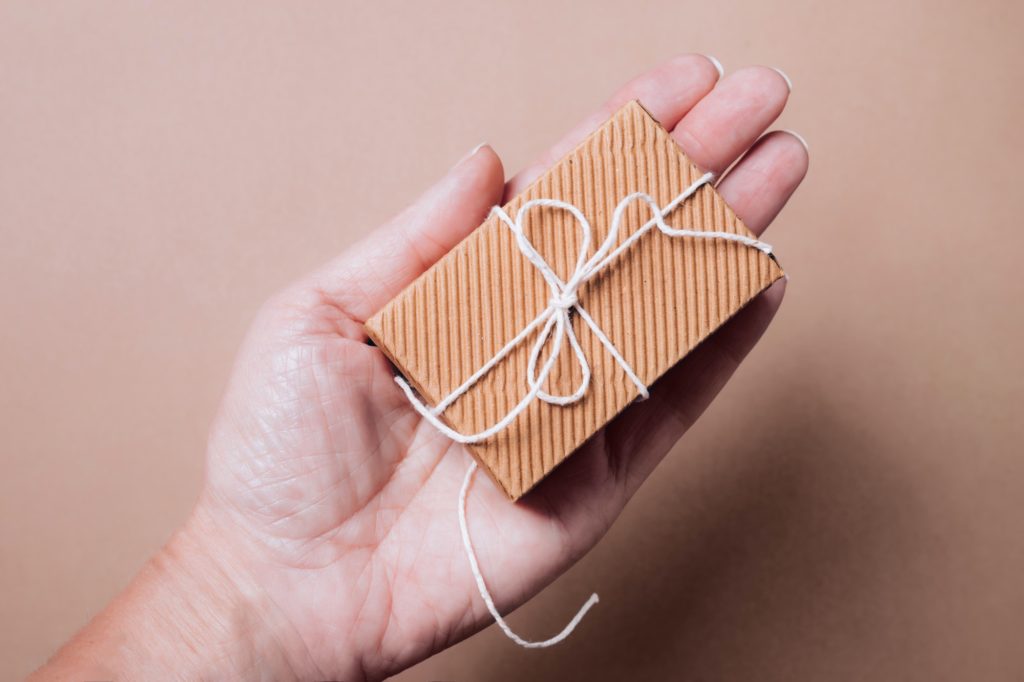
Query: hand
325	543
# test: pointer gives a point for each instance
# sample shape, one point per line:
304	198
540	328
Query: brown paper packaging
655	303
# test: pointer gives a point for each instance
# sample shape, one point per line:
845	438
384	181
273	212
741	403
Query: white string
485	593
555	321
555	324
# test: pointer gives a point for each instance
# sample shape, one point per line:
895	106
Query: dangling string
474	566
555	325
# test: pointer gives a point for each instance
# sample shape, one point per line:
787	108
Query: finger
725	123
756	188
631	446
760	184
374	270
667	91
649	429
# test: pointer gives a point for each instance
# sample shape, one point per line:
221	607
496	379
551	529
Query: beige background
165	167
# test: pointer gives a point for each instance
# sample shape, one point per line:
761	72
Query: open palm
340	502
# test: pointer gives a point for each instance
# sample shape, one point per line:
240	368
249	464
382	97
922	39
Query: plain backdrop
164	167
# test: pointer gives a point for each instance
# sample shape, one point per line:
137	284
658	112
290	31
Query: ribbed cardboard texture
655	303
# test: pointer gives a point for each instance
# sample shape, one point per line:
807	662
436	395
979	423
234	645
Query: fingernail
785	277
472	152
717	64
789	83
799	137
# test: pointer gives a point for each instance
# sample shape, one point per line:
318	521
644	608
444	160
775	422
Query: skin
324	544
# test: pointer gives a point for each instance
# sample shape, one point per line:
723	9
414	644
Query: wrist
218	619
195	611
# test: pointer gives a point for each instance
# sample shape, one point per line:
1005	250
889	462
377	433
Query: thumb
371	272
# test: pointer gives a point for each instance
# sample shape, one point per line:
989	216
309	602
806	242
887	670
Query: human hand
325	542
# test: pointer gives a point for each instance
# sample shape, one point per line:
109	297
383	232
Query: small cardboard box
655	303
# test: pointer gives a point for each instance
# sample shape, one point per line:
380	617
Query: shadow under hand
749	558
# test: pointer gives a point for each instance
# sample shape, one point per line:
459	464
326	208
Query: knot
565	301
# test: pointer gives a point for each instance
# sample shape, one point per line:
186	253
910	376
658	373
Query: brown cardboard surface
655	303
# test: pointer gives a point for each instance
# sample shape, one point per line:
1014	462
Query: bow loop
517	226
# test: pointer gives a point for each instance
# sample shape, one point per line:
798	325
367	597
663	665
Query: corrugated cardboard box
655	303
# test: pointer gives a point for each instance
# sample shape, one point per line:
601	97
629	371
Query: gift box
610	330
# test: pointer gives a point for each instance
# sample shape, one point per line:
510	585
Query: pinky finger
762	181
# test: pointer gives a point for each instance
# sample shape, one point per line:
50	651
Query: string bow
555	321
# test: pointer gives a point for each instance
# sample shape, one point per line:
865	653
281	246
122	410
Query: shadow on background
766	549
